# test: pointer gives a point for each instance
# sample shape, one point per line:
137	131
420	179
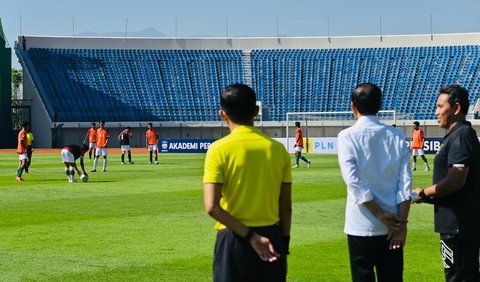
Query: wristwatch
422	195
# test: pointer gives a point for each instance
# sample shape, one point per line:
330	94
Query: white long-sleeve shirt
374	160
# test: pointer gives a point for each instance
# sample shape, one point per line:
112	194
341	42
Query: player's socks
67	172
123	158
19	172
104	164
95	163
304	159
297	161
72	174
129	157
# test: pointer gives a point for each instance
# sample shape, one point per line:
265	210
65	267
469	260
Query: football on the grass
84	177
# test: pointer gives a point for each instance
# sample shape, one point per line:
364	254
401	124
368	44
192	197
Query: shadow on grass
66	181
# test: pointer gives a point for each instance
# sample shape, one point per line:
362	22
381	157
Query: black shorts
236	260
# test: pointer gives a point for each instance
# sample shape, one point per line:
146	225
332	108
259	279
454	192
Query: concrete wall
75	133
250	43
40	121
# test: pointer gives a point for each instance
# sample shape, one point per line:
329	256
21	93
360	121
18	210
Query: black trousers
29	155
371	254
460	255
236	260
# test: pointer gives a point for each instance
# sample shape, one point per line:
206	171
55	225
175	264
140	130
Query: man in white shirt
374	160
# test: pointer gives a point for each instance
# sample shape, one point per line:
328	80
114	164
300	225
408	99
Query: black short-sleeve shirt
124	138
459	211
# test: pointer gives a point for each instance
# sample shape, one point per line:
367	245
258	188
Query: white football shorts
152	148
23	156
92	145
298	149
101	152
125	148
67	156
417	152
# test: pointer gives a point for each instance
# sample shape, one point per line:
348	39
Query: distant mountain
87	33
148	32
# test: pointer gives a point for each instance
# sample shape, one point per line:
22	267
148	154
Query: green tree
17	77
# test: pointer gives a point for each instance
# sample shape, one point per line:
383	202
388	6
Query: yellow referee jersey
252	167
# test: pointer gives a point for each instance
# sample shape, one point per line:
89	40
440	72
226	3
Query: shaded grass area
146	223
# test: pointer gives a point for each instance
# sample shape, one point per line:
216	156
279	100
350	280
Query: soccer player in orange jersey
22	150
417	145
101	150
152	142
92	139
299	146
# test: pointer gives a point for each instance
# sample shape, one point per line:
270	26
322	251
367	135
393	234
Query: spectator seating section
134	85
184	85
322	80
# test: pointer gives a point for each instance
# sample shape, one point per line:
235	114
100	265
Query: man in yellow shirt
247	189
30	139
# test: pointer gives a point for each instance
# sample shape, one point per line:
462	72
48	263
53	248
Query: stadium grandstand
175	82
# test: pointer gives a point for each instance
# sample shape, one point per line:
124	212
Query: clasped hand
264	248
397	230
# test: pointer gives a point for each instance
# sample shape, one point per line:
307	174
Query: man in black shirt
124	138
70	154
456	189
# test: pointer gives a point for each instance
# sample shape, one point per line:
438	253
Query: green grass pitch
146	223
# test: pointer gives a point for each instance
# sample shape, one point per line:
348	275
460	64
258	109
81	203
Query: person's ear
257	110
457	109
354	109
223	114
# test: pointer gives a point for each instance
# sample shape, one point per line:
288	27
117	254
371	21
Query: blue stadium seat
183	85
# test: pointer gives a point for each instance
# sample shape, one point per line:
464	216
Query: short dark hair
297	123
456	94
149	123
92	124
25	124
102	121
416	123
239	102
367	97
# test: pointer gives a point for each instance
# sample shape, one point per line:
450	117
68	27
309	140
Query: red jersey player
299	146
22	151
417	145
102	142
151	137
92	140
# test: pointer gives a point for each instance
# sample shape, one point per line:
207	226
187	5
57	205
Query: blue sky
245	18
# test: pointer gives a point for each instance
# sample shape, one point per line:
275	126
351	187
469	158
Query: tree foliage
17	79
